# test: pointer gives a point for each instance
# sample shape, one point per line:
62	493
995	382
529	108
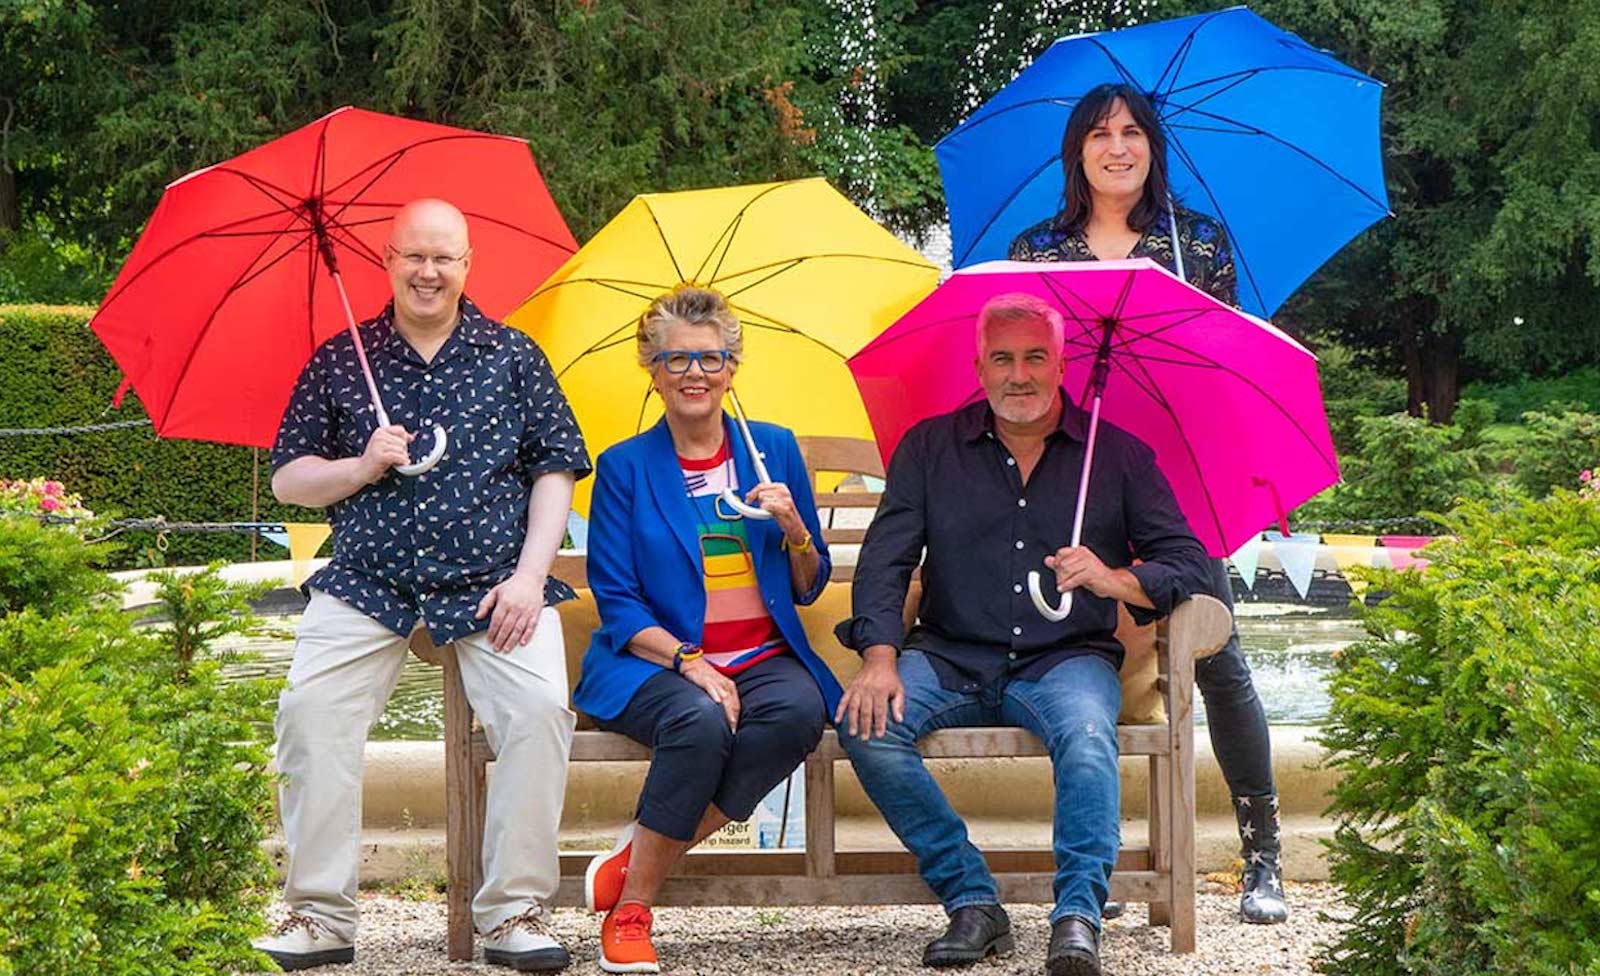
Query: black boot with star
1261	847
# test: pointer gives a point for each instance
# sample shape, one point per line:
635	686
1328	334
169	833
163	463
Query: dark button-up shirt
431	546
1207	257
955	490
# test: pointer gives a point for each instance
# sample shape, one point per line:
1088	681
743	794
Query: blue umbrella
1275	138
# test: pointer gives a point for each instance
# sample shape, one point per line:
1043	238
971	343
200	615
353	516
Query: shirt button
1022	503
1011	461
1016	632
1019	543
1012	655
1016	587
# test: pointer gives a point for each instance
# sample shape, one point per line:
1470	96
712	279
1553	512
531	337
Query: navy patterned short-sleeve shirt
431	546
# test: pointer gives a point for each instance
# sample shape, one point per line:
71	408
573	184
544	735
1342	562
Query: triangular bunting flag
1350	551
1246	559
305	538
1297	554
1399	549
275	537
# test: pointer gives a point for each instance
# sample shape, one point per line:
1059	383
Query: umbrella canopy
810	276
1230	405
1274	138
228	290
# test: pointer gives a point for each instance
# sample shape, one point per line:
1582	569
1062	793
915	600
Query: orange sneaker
625	941
602	882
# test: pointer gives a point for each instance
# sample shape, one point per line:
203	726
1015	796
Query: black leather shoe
1074	948
975	933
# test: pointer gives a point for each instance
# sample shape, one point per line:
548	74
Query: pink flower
53	488
49	504
1585	476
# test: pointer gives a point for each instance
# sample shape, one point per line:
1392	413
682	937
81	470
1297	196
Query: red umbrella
236	278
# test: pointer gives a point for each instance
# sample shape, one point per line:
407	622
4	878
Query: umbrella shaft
361	351
749	441
1083	479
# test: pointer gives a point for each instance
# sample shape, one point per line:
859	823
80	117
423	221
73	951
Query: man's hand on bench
873	693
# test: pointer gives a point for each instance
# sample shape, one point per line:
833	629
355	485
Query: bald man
464	550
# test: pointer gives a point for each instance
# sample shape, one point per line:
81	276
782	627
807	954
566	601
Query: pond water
1289	646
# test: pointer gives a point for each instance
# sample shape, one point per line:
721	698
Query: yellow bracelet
801	547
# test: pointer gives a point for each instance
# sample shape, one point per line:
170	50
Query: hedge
55	373
1466	728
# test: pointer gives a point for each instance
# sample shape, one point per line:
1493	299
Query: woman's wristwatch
684	653
797	546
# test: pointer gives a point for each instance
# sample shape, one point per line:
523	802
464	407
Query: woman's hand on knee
717	685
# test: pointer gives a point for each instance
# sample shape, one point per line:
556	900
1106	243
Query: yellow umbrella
811	277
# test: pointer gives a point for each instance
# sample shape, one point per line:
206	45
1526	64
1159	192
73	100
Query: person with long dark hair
1117	203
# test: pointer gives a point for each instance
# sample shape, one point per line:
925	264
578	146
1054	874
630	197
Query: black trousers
699	760
1238	724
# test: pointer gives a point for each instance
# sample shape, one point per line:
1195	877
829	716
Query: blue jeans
1073	709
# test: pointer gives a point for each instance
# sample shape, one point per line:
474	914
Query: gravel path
401	936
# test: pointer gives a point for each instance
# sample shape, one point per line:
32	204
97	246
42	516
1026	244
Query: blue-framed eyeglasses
679	360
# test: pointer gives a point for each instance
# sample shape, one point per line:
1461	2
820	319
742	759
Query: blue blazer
644	559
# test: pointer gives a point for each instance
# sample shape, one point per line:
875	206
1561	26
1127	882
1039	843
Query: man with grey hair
464	550
981	496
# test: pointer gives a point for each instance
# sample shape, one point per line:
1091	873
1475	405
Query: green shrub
1556	448
134	795
1466	728
1404	466
54	372
1581	386
1351	391
46	568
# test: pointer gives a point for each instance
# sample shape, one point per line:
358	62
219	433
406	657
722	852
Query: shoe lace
534	920
295	920
632	924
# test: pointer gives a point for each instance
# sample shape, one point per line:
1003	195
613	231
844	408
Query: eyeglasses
679	360
444	262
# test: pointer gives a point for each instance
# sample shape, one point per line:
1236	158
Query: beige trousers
345	668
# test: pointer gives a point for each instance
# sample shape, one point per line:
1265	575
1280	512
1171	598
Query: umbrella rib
734	224
1180	54
1208	361
266	188
1242	77
1273	137
387	161
1240	263
725	241
776	324
356	245
475	215
205	330
1155	393
196	236
1347	73
1010	197
790	263
667	246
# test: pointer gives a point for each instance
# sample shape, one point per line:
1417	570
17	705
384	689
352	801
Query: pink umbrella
1230	405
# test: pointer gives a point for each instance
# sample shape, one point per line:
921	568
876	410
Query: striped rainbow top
739	631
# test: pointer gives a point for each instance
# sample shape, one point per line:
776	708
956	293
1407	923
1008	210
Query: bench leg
462	849
819	817
1160	828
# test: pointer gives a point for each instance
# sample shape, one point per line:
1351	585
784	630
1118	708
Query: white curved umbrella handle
737	504
440	442
1052	614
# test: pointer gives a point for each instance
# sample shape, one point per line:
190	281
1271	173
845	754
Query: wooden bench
1159	872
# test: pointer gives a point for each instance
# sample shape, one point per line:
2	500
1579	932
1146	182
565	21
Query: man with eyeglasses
465	550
